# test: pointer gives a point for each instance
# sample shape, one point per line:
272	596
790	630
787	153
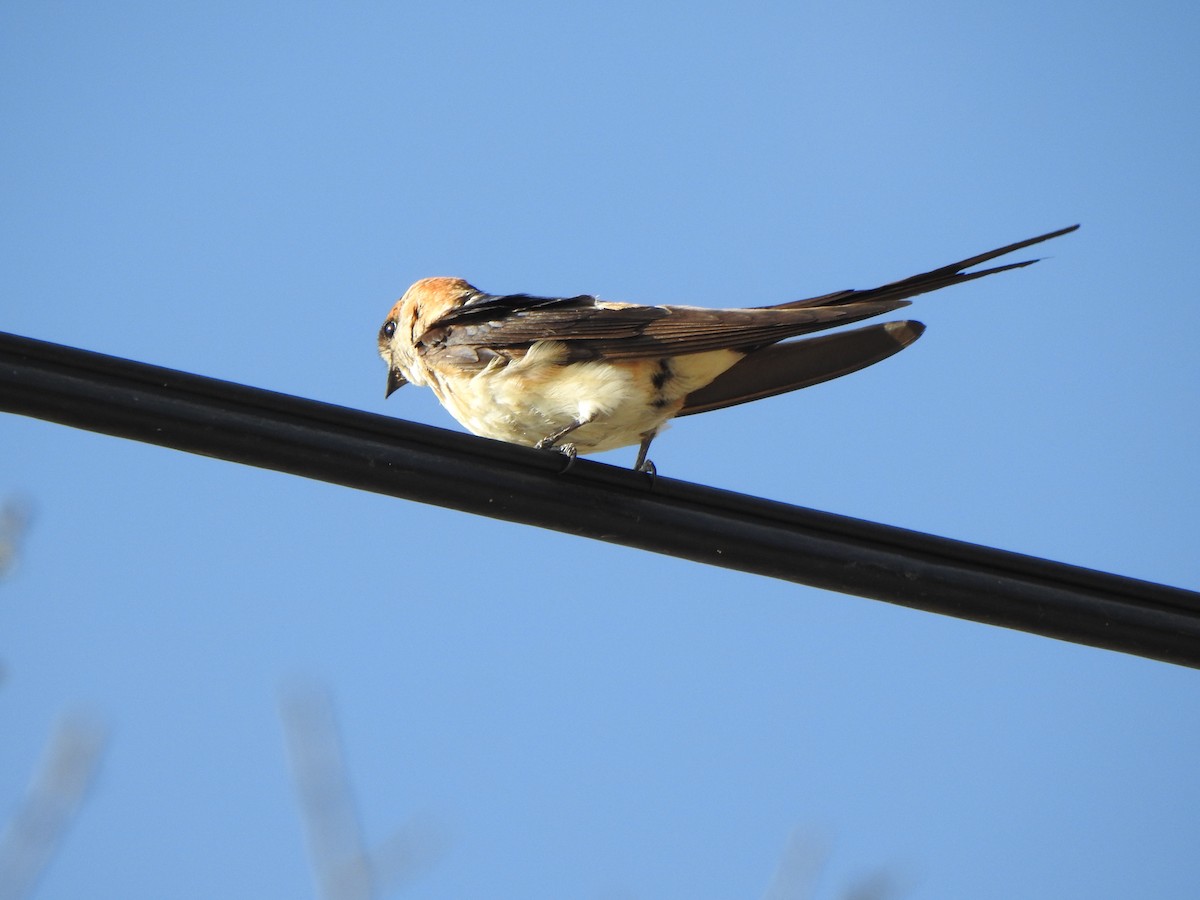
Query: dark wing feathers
932	280
613	331
489	325
694	330
799	364
481	305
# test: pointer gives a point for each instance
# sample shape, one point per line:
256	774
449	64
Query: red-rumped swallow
584	375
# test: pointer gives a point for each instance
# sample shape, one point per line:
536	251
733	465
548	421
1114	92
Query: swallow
584	375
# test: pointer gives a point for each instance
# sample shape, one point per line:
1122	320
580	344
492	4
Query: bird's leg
643	464
551	441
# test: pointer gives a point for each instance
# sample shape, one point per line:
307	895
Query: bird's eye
389	328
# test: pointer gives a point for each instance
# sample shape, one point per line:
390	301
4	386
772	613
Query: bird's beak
396	380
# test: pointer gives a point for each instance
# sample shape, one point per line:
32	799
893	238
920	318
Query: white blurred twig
343	867
800	867
67	770
14	521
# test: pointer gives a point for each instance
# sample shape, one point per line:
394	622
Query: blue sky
243	191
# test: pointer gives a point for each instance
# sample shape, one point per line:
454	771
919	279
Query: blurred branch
67	770
880	885
504	481
343	867
800	868
15	516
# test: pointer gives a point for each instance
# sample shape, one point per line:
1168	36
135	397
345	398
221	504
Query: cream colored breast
526	401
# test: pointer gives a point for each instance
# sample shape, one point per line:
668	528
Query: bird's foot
570	452
643	464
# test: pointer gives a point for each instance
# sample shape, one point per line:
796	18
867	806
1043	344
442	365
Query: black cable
431	465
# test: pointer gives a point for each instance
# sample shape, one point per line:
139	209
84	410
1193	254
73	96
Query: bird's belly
619	401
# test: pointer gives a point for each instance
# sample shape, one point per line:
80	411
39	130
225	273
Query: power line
431	465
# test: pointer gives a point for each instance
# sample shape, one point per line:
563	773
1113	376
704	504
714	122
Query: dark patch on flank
662	375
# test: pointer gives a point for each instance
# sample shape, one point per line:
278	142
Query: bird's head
400	335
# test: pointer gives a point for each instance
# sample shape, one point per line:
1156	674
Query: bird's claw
647	468
569	451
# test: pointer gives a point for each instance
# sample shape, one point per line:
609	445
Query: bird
583	375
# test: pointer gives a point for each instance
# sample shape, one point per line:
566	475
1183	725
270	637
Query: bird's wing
488	326
799	364
507	326
932	280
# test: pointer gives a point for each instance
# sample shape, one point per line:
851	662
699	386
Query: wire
431	465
